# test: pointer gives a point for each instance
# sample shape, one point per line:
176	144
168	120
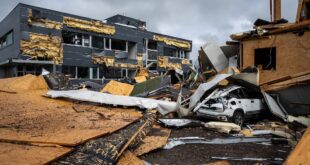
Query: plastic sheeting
164	107
180	122
201	90
199	140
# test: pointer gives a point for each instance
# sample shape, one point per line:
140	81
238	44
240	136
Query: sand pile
24	83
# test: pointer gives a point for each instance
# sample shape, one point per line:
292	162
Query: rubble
300	152
107	150
223	127
180	122
157	138
234	101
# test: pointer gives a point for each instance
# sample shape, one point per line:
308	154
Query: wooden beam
295	26
299	9
276	10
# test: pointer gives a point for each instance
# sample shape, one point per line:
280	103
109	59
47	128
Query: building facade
32	38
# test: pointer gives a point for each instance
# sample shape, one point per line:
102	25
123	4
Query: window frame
5	36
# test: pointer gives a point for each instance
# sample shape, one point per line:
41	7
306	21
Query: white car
233	103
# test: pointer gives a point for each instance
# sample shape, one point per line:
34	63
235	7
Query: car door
240	99
254	103
246	102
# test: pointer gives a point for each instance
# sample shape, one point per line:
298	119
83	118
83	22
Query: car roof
224	91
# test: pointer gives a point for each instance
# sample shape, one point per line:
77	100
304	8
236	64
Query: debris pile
246	107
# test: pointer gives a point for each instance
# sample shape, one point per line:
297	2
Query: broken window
36	14
170	52
107	42
144	45
20	70
83	72
152	44
124	72
266	57
6	40
98	42
95	73
86	40
181	54
153	66
69	70
238	93
119	45
72	38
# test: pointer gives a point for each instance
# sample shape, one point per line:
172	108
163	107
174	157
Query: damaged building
280	51
33	38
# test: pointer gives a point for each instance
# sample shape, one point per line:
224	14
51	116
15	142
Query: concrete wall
292	54
11	22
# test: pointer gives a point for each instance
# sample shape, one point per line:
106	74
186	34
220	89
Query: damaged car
233	103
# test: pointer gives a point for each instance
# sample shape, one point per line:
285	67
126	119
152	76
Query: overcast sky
198	20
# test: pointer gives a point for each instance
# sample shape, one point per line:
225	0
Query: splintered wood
30	117
156	139
300	154
26	117
128	158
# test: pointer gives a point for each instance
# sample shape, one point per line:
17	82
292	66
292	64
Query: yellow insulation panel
91	26
118	88
43	22
43	46
172	42
185	61
163	62
140	60
110	62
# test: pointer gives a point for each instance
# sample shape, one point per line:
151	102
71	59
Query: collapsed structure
260	98
33	38
280	51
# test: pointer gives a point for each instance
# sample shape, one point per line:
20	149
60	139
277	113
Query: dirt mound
24	83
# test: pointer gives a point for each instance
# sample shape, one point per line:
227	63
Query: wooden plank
11	154
299	9
29	117
292	55
285	84
140	133
276	10
128	158
157	138
296	26
300	154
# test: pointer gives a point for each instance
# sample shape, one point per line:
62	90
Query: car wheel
238	118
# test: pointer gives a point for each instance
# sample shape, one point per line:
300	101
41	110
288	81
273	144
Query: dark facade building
32	38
